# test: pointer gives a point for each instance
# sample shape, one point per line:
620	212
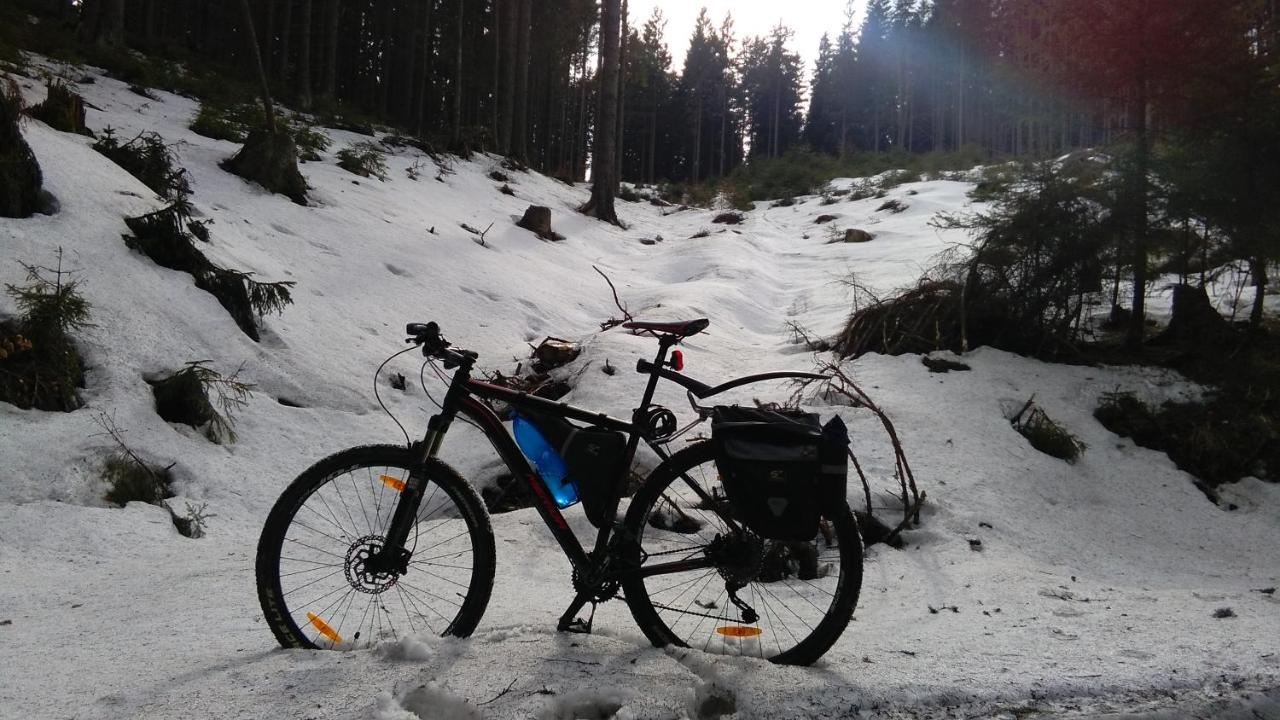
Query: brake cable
376	395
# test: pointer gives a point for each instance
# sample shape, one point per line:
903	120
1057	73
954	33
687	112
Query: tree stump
271	160
854	235
553	352
62	109
1195	324
537	219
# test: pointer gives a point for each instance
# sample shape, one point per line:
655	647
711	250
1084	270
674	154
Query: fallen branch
626	314
505	690
911	496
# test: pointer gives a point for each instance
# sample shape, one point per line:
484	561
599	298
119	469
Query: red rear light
677	360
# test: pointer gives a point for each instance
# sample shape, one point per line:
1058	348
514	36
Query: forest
1182	90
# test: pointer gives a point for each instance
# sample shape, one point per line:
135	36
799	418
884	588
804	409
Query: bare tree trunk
422	83
1138	206
602	170
509	16
268	33
286	29
102	22
653	139
520	123
247	17
304	56
457	80
1258	268
329	81
498	37
697	136
622	96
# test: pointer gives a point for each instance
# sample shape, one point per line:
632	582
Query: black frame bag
592	456
780	468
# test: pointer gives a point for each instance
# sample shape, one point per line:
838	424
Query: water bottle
546	460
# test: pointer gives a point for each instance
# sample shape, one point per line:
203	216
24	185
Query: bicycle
392	539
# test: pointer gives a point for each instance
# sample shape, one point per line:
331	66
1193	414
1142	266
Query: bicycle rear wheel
802	594
312	581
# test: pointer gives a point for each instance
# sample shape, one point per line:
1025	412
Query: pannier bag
781	469
593	457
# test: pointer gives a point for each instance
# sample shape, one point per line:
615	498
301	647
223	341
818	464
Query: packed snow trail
1091	588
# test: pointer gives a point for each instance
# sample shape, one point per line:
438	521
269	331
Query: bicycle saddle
681	328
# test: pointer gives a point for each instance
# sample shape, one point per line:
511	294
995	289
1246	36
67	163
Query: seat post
664	344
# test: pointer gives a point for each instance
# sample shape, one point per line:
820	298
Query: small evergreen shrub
364	159
212	122
310	141
894	178
892	206
160	236
149	159
1227	436
228	122
1046	435
201	397
20	176
40	367
996	182
62	109
728	218
132	480
628	193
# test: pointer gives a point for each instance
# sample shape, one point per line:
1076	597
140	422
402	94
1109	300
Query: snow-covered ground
1092	594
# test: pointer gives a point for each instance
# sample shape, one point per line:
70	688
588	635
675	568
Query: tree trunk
268	34
423	80
329	78
697	135
102	22
457	81
622	96
1138	201
286	29
304	56
496	87
1258	268
508	16
520	123
602	189
247	17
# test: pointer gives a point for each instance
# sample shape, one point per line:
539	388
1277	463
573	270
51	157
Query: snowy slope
1093	591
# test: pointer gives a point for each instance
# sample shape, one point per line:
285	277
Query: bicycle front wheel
786	602
314	586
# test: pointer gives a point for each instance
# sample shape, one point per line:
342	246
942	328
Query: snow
1092	594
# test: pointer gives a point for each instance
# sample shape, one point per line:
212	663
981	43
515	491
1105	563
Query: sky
808	18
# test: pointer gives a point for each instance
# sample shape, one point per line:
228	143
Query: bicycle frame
463	396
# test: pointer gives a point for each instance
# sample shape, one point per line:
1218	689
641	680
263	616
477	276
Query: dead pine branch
505	690
911	497
626	314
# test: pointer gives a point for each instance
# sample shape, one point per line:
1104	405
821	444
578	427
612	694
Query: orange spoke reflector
323	627
739	631
394	483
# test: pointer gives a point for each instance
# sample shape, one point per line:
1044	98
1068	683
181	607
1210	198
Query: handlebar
427	335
